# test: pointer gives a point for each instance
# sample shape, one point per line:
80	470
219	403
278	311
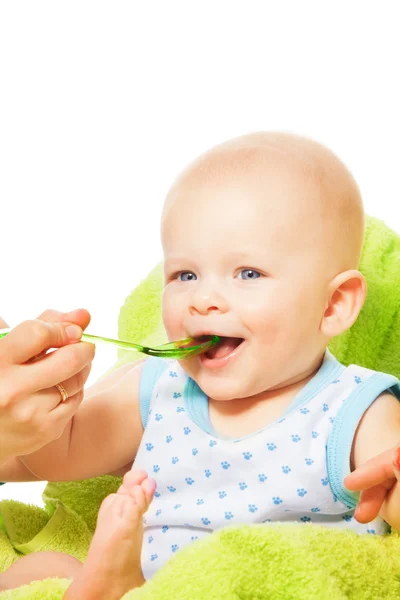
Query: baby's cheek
172	318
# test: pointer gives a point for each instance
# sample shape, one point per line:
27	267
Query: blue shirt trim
153	368
196	401
344	428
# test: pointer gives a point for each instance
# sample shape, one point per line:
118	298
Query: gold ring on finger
63	392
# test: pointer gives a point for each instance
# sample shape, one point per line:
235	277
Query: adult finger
78	316
56	420
375	471
32	337
57	366
72	386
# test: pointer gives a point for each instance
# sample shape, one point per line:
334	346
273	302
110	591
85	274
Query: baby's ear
346	296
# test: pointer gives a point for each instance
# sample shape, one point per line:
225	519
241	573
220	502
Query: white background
103	103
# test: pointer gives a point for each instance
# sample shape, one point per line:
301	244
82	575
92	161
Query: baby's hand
375	480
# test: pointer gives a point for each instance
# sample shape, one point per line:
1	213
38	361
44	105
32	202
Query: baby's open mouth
225	346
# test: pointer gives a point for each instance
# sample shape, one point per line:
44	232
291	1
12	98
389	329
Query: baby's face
242	261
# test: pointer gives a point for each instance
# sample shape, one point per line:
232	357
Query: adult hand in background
32	413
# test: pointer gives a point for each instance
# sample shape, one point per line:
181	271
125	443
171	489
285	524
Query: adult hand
32	413
375	480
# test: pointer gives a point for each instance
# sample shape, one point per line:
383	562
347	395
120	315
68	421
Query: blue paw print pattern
174	460
177	395
186	430
228	516
205	521
194	537
253	508
169	439
242	485
154	557
194	451
222	494
301	492
158	416
314	434
286	469
262	477
304	411
157	494
165	529
171	488
225	465
158	512
177	506
324	481
156	468
325	407
347	518
199	501
150	539
180	409
316	510
212	443
149	447
271	446
371	531
357	379
295	438
309	461
207	473
174	547
277	500
336	381
173	374
247	455
305	519
332	419
189	480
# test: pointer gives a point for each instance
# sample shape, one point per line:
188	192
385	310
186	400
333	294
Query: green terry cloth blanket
274	561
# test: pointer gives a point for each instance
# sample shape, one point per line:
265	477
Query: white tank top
292	470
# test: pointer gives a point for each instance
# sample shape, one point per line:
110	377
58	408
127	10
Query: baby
262	238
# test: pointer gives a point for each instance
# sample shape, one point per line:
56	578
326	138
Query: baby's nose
206	301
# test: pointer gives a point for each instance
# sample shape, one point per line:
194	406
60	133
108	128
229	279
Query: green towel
274	561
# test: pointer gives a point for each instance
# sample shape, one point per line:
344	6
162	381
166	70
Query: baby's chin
222	389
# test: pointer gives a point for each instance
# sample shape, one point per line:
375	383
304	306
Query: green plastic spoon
180	349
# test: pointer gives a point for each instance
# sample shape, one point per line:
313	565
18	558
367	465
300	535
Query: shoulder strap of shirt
153	369
347	419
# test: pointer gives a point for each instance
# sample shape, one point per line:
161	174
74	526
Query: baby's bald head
297	186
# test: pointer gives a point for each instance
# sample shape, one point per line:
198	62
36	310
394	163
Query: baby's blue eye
252	274
187	273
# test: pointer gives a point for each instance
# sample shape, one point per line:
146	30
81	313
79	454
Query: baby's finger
374	472
148	487
133	477
370	503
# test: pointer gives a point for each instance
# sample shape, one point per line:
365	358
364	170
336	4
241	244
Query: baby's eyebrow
248	254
